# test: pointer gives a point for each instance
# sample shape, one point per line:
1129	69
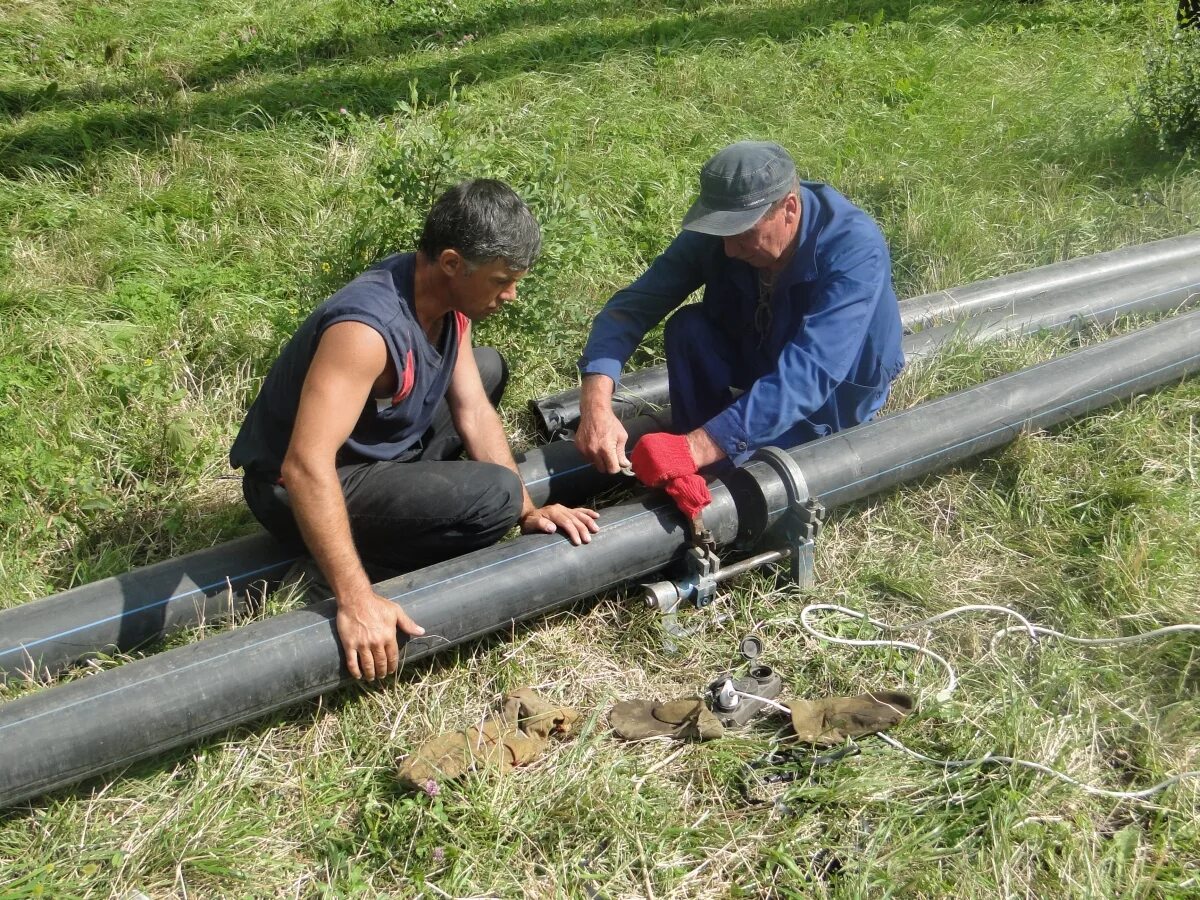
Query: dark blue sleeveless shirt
387	429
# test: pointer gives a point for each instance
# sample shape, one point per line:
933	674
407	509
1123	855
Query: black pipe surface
61	735
120	614
124	613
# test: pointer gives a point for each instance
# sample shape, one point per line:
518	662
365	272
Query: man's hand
367	628
690	493
578	524
669	461
601	441
600	437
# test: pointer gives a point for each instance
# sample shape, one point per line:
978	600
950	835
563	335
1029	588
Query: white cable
1097	642
952	677
1039	767
1026	627
769	702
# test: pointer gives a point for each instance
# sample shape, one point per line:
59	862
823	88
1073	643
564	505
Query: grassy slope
181	181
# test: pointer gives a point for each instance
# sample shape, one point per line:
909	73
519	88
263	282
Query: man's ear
791	207
450	261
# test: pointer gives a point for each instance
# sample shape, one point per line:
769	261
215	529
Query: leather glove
685	719
515	736
831	720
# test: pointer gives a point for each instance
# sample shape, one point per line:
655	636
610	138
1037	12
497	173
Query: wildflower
325	267
439	854
432	788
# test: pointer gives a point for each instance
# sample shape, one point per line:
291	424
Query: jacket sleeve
815	361
620	326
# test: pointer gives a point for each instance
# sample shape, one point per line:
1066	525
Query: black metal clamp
805	515
698	586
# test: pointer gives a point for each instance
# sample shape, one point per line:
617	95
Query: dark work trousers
430	507
702	366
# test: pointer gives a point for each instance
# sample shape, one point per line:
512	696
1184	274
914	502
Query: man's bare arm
483	436
349	359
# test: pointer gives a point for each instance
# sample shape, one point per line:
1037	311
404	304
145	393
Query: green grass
180	182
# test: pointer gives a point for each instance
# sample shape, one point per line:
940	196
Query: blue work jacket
829	352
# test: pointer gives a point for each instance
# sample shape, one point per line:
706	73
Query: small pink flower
439	854
432	788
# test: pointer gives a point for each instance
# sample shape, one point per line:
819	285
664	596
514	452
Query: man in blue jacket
798	333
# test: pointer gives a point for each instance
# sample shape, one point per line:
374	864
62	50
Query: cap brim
722	222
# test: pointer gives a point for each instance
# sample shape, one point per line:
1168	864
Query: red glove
660	457
690	493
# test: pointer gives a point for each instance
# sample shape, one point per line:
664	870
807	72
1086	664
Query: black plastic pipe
43	637
46	636
59	736
868	459
646	390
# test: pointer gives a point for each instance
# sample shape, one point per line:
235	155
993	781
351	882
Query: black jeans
405	515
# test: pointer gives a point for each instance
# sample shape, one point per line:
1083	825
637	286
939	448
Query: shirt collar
803	265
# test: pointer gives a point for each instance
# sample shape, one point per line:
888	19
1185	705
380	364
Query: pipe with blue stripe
55	737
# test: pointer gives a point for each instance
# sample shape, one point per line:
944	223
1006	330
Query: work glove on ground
664	460
685	719
515	736
834	719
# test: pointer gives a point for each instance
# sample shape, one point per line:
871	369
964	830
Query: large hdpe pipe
59	736
646	390
43	637
1147	293
123	613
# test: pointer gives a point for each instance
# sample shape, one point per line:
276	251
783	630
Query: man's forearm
705	451
595	394
485	441
320	510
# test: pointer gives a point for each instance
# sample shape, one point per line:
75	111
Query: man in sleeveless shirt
351	447
797	335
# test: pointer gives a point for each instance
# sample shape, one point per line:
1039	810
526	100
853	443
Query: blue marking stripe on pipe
1002	427
559	474
129	612
323	623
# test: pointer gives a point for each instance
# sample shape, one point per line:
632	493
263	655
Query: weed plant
181	182
1167	99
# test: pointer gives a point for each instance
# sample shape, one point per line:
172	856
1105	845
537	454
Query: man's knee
496	506
687	329
493	372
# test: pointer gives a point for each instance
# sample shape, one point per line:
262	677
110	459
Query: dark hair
483	219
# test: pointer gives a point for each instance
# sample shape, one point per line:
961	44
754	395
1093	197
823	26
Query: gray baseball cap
738	185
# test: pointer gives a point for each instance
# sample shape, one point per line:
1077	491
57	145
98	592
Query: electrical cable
1026	627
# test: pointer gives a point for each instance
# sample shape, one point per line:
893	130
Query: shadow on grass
315	78
150	534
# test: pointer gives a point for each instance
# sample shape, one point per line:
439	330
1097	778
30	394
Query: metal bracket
804	517
698	586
